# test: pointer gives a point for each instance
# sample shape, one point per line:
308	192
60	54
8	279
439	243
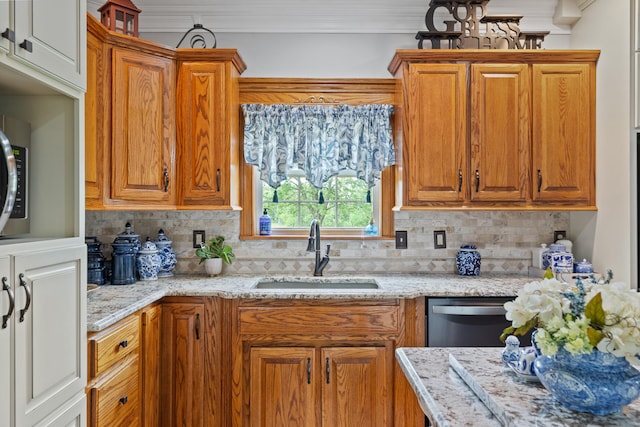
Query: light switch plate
401	239
198	237
440	239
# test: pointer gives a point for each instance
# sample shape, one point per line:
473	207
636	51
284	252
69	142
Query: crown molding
583	4
328	16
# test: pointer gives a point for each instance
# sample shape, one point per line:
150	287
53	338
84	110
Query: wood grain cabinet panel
151	325
183	356
143	132
116	343
496	129
203	134
563	133
115	400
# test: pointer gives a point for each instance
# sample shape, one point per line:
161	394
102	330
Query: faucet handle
328	249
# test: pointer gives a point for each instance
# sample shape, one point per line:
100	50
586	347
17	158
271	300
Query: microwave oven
15	141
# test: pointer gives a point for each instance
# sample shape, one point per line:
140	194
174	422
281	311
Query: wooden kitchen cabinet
331	386
143	128
496	129
114	374
183	363
208	127
150	372
321	362
135	158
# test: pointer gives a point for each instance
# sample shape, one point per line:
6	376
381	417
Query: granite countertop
110	303
447	400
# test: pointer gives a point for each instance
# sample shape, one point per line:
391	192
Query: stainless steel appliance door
11	180
465	322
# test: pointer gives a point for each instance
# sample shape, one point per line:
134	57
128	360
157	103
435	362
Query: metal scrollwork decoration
198	40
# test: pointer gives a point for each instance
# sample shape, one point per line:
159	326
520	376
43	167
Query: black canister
123	261
95	261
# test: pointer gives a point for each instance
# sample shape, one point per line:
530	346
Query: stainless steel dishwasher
466	321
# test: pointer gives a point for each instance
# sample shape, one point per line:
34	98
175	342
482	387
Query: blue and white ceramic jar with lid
167	255
148	261
468	261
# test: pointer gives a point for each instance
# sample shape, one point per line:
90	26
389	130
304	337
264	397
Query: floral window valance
320	140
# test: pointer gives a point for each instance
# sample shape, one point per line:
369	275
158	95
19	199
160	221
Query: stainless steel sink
316	283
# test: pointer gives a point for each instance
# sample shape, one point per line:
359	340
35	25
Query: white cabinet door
5	343
4	26
50	340
52	35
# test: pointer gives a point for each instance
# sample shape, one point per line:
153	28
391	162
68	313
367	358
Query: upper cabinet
207	118
495	129
138	93
48	35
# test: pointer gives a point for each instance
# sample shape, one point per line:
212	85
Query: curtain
320	140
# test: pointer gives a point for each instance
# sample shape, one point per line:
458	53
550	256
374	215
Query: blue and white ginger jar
167	255
468	261
148	261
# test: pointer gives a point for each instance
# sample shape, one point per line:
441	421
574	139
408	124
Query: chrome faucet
314	245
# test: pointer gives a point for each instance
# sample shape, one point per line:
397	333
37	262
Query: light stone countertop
447	400
110	303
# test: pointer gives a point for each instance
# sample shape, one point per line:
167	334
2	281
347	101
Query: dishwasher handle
469	310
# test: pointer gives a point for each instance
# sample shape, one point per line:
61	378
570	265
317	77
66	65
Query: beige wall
606	236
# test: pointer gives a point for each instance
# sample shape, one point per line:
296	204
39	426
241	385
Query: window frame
265	90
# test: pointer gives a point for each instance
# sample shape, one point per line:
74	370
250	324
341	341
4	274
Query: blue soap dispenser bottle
265	224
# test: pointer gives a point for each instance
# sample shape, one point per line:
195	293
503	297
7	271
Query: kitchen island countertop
110	303
447	400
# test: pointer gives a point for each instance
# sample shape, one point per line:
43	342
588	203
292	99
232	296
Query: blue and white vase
168	260
468	261
148	261
596	382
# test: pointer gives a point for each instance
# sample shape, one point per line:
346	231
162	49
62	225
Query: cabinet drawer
115	400
107	348
319	320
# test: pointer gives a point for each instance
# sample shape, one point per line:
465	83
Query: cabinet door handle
459	180
124	343
197	326
539	180
327	370
166	179
477	180
12	302
308	370
124	399
9	34
218	180
26	45
27	290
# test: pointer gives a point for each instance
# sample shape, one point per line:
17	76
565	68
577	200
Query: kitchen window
344	209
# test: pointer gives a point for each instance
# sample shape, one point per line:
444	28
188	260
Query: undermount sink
316	283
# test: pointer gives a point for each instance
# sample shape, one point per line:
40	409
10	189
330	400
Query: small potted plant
213	253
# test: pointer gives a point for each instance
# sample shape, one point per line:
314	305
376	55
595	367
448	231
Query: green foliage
215	248
345	204
594	311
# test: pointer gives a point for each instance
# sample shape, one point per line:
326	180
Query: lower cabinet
332	386
151	323
114	375
322	363
183	352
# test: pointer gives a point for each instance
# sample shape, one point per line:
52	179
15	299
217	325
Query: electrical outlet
440	239
401	239
198	238
559	235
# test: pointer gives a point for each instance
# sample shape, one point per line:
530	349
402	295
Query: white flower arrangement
580	318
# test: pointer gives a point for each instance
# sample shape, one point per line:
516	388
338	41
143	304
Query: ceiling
318	16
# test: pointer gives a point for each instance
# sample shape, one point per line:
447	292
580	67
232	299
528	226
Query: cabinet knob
477	180
123	343
459	180
123	399
166	179
12	302
26	45
539	180
9	34
218	180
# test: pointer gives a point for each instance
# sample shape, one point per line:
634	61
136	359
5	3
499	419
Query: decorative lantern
120	16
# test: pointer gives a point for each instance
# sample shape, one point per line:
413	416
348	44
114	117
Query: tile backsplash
504	240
